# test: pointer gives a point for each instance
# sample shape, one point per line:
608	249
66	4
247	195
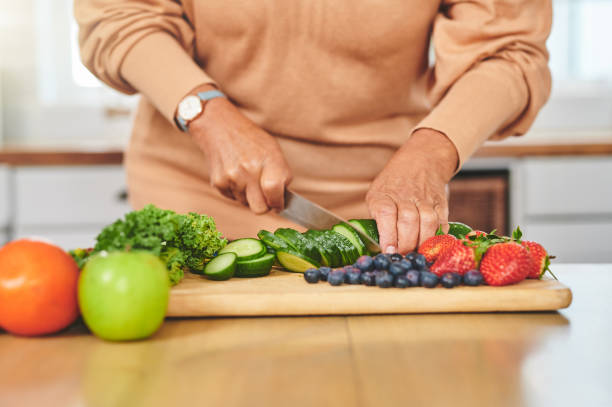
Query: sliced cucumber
221	267
294	261
246	249
298	243
367	227
458	229
269	239
350	233
347	250
258	267
330	253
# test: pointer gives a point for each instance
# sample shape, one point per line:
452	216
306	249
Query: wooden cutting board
283	293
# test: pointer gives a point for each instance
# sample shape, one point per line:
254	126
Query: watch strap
204	96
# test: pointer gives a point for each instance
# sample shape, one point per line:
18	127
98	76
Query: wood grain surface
283	293
477	359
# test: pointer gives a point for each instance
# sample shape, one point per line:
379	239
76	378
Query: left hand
408	198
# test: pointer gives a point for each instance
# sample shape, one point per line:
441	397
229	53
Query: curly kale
182	241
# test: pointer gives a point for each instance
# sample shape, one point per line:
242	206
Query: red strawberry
476	233
457	259
505	263
539	259
433	247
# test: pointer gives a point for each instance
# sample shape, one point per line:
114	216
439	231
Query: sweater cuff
159	68
479	105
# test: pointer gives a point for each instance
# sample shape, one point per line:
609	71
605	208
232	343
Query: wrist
432	146
193	105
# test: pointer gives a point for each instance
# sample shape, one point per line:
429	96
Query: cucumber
270	240
330	254
348	252
258	267
246	249
294	261
458	229
350	233
296	241
367	227
221	267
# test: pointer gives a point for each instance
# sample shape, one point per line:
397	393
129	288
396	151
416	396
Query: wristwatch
192	107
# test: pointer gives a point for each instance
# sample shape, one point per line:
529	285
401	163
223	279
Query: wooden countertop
31	157
505	359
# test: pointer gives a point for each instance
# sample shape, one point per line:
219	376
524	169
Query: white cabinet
67	205
4	197
565	203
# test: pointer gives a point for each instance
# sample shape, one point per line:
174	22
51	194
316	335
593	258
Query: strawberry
477	233
539	259
433	247
459	258
505	263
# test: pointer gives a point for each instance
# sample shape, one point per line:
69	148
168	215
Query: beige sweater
340	83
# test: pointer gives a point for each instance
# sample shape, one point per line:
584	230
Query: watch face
189	107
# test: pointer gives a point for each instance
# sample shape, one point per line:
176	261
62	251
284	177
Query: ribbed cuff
480	104
159	68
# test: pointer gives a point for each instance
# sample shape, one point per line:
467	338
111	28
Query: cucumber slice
221	267
258	267
246	249
458	229
330	253
269	239
294	261
348	252
367	227
350	233
296	241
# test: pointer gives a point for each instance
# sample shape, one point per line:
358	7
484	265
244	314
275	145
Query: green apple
124	295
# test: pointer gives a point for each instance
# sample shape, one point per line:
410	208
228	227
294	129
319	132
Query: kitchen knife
312	216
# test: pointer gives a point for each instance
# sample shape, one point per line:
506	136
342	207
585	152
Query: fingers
274	178
408	226
442	212
384	210
428	221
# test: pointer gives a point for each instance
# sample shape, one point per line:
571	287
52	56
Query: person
340	99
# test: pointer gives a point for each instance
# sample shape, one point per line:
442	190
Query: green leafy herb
183	242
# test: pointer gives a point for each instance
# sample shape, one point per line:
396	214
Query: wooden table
512	359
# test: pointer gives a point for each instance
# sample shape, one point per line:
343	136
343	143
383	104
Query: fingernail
390	250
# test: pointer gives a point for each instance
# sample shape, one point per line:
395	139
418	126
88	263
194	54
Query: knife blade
312	216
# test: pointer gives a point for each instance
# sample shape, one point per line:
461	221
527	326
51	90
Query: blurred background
62	133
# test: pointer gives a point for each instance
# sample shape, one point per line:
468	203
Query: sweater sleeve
141	46
490	76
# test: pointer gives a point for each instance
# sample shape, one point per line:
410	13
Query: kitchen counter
29	156
508	359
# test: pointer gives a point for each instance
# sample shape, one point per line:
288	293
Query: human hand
245	162
408	198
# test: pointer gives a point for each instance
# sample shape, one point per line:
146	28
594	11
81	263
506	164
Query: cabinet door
480	199
69	196
4	196
67	238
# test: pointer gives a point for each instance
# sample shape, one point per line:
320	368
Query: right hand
245	162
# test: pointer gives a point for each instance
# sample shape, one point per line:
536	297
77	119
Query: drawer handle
122	196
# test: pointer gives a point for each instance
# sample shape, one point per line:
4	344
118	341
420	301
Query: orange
38	288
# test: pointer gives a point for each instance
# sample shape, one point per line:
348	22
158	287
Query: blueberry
405	264
429	279
410	256
381	262
419	262
395	257
324	271
336	277
396	269
364	263
473	278
384	280
312	276
414	277
368	278
450	280
353	276
401	282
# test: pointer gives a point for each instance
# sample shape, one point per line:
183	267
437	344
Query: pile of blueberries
391	270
